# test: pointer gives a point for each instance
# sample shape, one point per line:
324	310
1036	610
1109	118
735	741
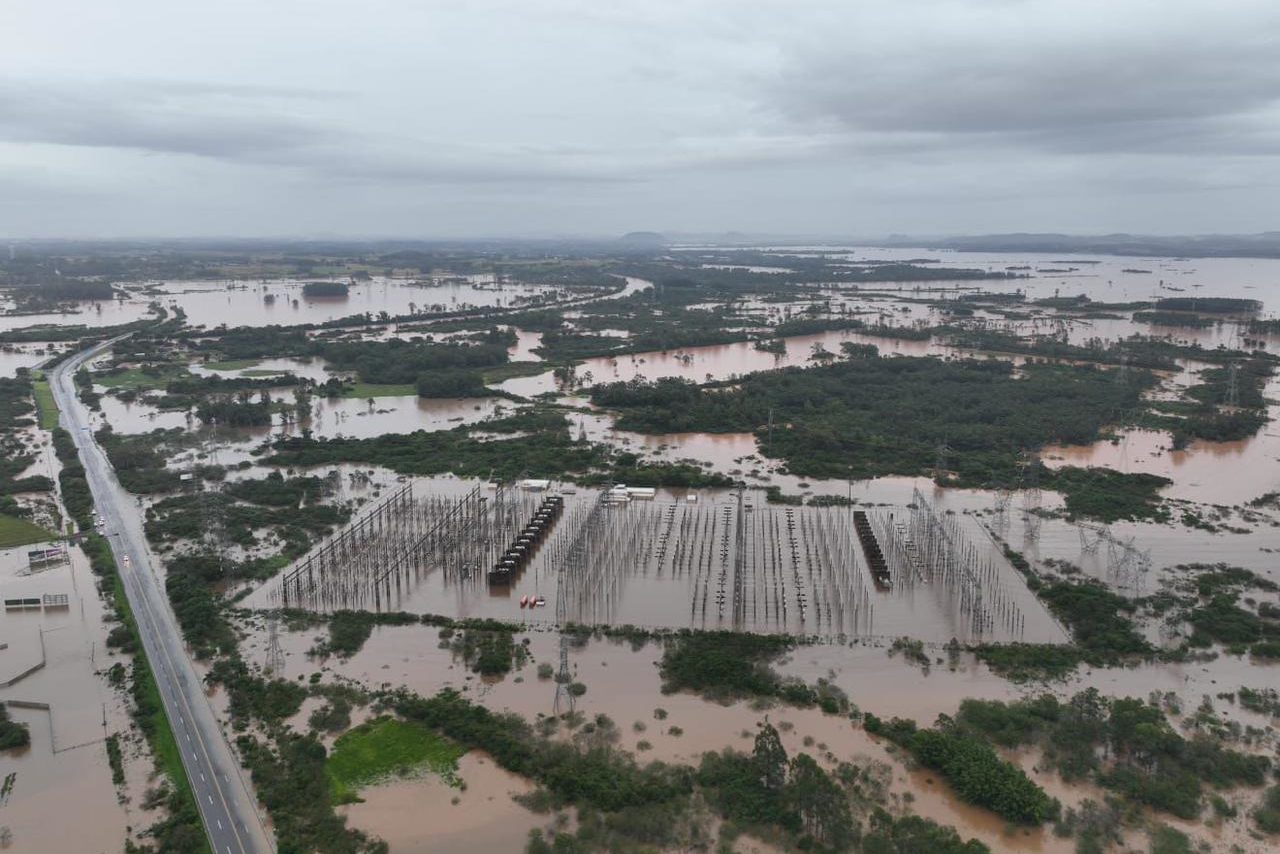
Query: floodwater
212	304
15	356
310	369
85	313
343	417
712	562
425	814
718	361
1226	473
1100	277
66	762
624	684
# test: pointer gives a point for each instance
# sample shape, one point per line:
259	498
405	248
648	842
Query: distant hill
1264	245
644	238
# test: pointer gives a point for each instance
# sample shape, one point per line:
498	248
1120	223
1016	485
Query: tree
821	805
770	758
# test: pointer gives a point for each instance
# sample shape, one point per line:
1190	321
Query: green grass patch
386	747
362	390
511	370
232	364
142	378
45	404
20	532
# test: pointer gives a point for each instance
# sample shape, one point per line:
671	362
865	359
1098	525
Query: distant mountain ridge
1263	245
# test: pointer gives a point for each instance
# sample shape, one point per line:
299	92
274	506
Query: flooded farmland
891	586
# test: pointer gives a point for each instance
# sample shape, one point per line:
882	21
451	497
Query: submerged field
965	553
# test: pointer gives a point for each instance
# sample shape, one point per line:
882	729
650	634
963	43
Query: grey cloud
164	118
259	126
1121	83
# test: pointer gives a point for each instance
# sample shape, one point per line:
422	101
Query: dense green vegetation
290	779
972	767
139	461
1125	745
625	807
1172	318
1209	305
1108	495
1023	662
385	747
1098	620
488	651
325	289
870	416
764	789
598	776
532	443
348	630
12	733
725	663
17	406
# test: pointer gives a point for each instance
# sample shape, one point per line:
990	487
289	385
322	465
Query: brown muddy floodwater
425	814
65	767
92	313
716	362
623	683
212	304
13	357
702	559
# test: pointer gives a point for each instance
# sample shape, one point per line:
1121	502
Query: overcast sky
448	118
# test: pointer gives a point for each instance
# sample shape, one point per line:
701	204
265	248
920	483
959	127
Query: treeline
1125	745
326	289
17	411
974	770
729	665
61	290
869	416
535	441
1209	305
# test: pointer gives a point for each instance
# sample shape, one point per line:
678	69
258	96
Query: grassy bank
20	532
44	404
363	390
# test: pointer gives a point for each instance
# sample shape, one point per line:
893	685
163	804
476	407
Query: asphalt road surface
227	807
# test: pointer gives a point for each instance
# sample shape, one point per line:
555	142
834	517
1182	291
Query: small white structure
534	485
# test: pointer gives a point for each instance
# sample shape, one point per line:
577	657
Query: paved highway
227	807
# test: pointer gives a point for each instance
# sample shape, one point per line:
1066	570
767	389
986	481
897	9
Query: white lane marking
202	779
219	824
210	797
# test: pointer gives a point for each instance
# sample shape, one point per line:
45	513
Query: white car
126	560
